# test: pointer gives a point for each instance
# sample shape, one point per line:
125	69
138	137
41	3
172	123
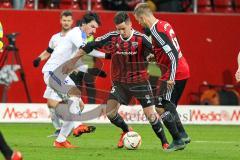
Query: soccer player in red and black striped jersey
168	54
129	50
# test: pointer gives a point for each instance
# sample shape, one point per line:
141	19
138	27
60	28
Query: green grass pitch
208	143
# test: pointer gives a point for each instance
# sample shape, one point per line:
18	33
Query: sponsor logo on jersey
135	44
126	53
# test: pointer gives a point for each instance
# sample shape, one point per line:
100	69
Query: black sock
178	121
158	129
170	123
119	122
4	148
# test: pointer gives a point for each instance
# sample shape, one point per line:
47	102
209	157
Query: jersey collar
154	24
128	38
84	36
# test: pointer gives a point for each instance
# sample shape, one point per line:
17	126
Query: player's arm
70	65
83	50
45	54
168	48
237	75
148	51
89	49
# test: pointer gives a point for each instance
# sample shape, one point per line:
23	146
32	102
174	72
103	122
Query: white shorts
51	94
57	84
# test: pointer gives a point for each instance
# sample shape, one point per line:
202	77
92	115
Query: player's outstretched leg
116	119
79	128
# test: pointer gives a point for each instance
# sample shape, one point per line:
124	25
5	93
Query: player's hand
237	75
150	58
36	62
170	84
97	72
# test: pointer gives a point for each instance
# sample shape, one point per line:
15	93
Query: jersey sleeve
77	38
50	45
146	43
168	48
99	42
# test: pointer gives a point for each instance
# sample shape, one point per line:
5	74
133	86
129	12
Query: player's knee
169	106
112	108
74	92
52	103
150	114
111	113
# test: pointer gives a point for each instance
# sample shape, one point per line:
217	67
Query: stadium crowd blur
203	6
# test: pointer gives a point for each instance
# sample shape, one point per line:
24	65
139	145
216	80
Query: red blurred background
209	42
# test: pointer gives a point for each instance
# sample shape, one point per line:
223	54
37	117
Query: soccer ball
132	140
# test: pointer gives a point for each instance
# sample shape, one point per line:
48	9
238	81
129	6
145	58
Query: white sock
65	131
74	105
55	120
77	123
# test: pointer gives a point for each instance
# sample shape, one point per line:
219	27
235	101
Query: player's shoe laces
176	145
186	139
65	144
165	146
16	156
83	129
120	142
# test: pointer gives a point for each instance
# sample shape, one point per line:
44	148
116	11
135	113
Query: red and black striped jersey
167	51
128	64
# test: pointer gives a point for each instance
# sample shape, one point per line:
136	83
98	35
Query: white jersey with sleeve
55	39
65	49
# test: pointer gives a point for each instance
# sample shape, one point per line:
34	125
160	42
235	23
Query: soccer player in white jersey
53	99
58	82
66	21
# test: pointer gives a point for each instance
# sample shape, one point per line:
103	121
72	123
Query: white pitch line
218	142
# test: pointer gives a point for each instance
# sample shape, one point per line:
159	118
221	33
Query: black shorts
123	93
175	95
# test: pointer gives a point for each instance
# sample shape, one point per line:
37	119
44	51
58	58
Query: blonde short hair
142	8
